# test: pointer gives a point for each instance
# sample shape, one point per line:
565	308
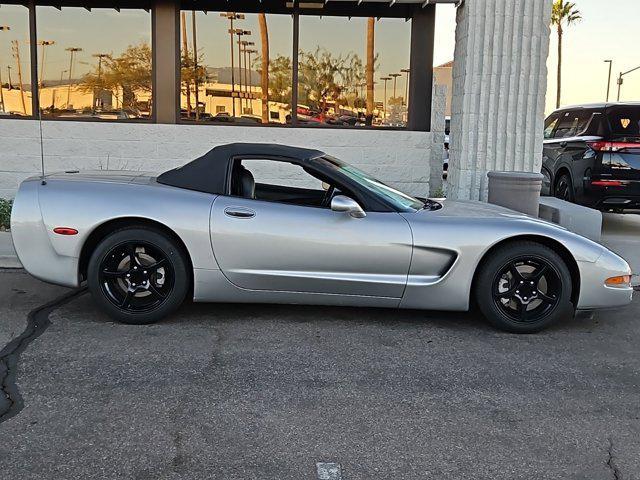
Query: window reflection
353	72
94	64
15	64
242	71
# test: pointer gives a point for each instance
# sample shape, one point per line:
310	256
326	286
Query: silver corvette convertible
226	228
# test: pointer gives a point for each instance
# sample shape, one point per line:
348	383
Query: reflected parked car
591	155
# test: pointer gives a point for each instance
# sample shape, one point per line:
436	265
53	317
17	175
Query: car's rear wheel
564	188
524	287
138	275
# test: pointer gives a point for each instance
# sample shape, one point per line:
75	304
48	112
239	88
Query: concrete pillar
499	88
436	158
166	60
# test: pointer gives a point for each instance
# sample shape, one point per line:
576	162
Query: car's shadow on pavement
471	322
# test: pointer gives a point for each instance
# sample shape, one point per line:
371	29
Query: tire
564	188
138	275
531	298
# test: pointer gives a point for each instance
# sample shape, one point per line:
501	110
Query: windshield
401	201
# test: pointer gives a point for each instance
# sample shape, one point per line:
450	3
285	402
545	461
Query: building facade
150	84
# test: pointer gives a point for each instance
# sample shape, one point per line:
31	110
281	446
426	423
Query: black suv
591	155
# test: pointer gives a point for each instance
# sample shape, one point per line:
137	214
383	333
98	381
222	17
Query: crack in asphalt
11	402
617	475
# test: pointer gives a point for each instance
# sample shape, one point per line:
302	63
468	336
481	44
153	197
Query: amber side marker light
621	281
65	231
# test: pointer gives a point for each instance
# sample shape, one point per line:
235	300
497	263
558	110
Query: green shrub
439	193
5	213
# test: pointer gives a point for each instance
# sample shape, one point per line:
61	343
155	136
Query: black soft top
209	172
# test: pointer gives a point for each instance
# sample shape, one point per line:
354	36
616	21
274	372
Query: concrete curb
8	257
9	262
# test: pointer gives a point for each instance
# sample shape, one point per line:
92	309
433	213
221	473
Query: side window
572	123
549	124
280	181
280	174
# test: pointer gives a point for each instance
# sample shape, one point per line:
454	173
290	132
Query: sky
609	30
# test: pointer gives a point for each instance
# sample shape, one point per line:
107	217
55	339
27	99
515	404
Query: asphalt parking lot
269	392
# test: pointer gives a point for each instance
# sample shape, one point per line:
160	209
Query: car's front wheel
138	275
524	287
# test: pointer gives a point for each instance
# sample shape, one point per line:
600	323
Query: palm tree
371	25
264	71
563	13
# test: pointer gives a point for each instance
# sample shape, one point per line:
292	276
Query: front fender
469	240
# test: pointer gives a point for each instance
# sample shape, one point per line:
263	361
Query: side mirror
341	203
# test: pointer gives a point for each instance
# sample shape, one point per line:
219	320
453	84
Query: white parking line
329	471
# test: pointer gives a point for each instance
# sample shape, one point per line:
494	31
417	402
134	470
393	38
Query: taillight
607	183
601	146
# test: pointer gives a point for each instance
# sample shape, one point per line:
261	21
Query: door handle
563	144
239	212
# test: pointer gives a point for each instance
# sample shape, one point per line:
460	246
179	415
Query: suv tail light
602	146
608	183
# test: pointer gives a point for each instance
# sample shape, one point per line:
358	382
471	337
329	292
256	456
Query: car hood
474	209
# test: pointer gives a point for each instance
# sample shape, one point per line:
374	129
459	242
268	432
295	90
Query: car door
567	149
268	245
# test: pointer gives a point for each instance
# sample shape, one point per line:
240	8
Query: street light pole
43	44
610	62
384	105
240	32
250	52
53	100
245	44
196	87
232	16
99	56
406	86
621	81
72	51
395	78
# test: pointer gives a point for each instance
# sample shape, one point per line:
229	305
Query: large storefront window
94	64
353	72
306	64
242	71
15	64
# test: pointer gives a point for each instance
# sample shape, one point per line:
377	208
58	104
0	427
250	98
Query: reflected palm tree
371	24
264	74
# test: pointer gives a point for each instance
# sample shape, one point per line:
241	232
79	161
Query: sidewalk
8	258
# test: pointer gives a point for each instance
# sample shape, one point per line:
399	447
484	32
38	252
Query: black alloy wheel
564	188
138	275
524	287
